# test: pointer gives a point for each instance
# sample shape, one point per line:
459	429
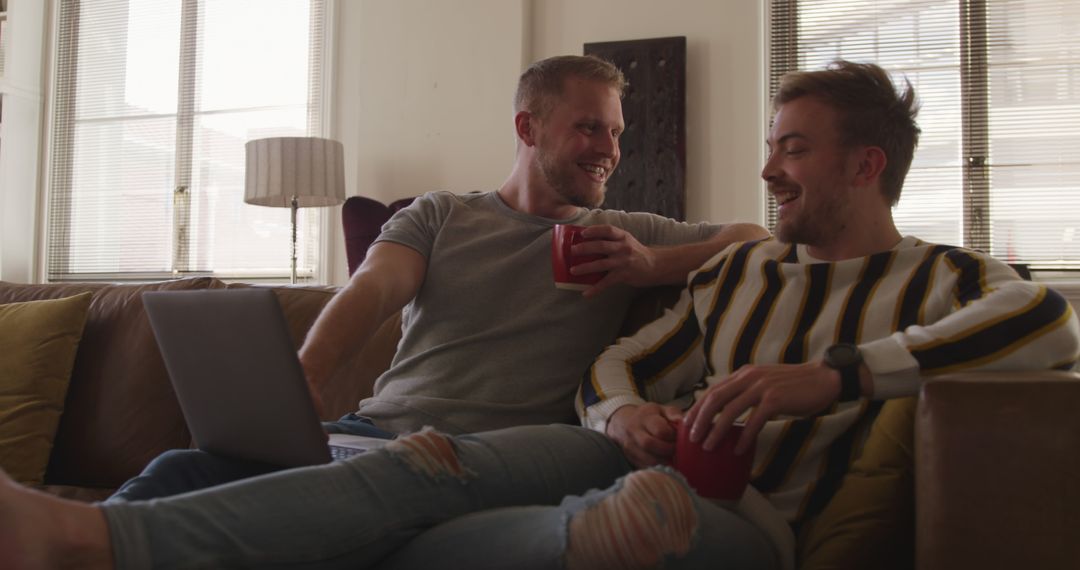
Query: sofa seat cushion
38	341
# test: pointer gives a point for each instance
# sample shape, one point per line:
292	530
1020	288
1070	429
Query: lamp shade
310	169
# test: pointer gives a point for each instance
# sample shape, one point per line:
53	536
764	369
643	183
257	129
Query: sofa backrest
121	411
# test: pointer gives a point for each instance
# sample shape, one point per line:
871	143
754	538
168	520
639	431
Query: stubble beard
817	226
562	180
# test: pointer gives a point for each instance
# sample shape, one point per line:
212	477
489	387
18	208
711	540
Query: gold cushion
38	341
870	522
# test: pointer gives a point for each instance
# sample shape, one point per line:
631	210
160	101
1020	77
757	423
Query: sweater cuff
597	415
894	371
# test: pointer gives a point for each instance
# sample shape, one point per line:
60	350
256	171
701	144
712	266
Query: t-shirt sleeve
653	230
416	225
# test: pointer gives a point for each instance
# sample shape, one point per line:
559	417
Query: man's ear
872	161
525	126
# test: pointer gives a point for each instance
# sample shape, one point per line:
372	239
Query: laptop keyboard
339	452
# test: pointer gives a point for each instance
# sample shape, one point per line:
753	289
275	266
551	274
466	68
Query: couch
982	471
120	411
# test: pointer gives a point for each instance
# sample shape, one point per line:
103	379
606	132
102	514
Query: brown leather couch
121	412
997	471
996	456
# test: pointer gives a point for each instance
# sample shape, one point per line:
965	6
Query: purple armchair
362	220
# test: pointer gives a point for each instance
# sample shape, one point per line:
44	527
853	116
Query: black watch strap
846	359
849	384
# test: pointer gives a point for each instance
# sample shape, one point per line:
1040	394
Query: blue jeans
360	512
183	470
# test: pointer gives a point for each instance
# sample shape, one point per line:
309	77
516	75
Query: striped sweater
915	311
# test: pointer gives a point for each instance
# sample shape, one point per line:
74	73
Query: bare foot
41	531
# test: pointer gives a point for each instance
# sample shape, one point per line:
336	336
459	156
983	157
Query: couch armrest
997	482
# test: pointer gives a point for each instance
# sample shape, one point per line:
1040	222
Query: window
998	163
153	102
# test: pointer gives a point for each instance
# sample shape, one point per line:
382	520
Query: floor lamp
294	172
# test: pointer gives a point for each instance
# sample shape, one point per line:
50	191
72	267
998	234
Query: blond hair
542	83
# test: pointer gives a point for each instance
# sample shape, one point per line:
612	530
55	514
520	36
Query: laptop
238	379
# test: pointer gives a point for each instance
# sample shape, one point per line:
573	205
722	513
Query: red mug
718	474
563	237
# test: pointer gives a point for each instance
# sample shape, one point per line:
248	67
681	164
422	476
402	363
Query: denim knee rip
429	453
648	519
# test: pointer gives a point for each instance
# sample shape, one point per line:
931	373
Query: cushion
870	522
38	341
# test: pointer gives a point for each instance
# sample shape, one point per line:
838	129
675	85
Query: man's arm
661	362
1014	325
388	279
629	261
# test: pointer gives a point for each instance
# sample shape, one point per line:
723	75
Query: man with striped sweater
806	334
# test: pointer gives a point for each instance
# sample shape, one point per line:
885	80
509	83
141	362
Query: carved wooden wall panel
651	176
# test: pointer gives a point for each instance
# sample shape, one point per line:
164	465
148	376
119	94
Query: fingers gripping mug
718	474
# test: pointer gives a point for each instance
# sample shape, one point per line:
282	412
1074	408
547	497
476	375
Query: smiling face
577	143
810	174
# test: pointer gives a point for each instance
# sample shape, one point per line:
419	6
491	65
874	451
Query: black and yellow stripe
764	306
592	393
797	433
851	319
842	452
819	277
790	447
990	340
791	255
707	275
911	308
971	275
666	353
733	277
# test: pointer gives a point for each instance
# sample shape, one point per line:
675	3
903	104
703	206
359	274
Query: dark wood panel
651	176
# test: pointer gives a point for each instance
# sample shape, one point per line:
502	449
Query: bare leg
41	531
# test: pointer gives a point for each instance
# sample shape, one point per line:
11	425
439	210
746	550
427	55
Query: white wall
21	90
424	88
424	97
424	93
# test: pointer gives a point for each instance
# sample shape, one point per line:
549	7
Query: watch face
842	355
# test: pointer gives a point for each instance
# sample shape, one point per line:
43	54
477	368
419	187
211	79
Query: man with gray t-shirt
488	341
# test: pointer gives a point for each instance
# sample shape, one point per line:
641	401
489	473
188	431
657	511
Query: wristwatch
846	358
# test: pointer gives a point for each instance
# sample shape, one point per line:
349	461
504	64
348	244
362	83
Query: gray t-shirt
489	341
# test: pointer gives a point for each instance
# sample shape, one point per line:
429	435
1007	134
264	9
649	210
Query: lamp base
294	207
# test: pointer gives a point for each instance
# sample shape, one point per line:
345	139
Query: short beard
799	233
563	184
815	229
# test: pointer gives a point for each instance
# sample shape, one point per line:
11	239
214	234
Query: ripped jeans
361	512
184	470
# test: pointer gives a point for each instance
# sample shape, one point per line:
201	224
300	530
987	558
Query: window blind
153	102
998	163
